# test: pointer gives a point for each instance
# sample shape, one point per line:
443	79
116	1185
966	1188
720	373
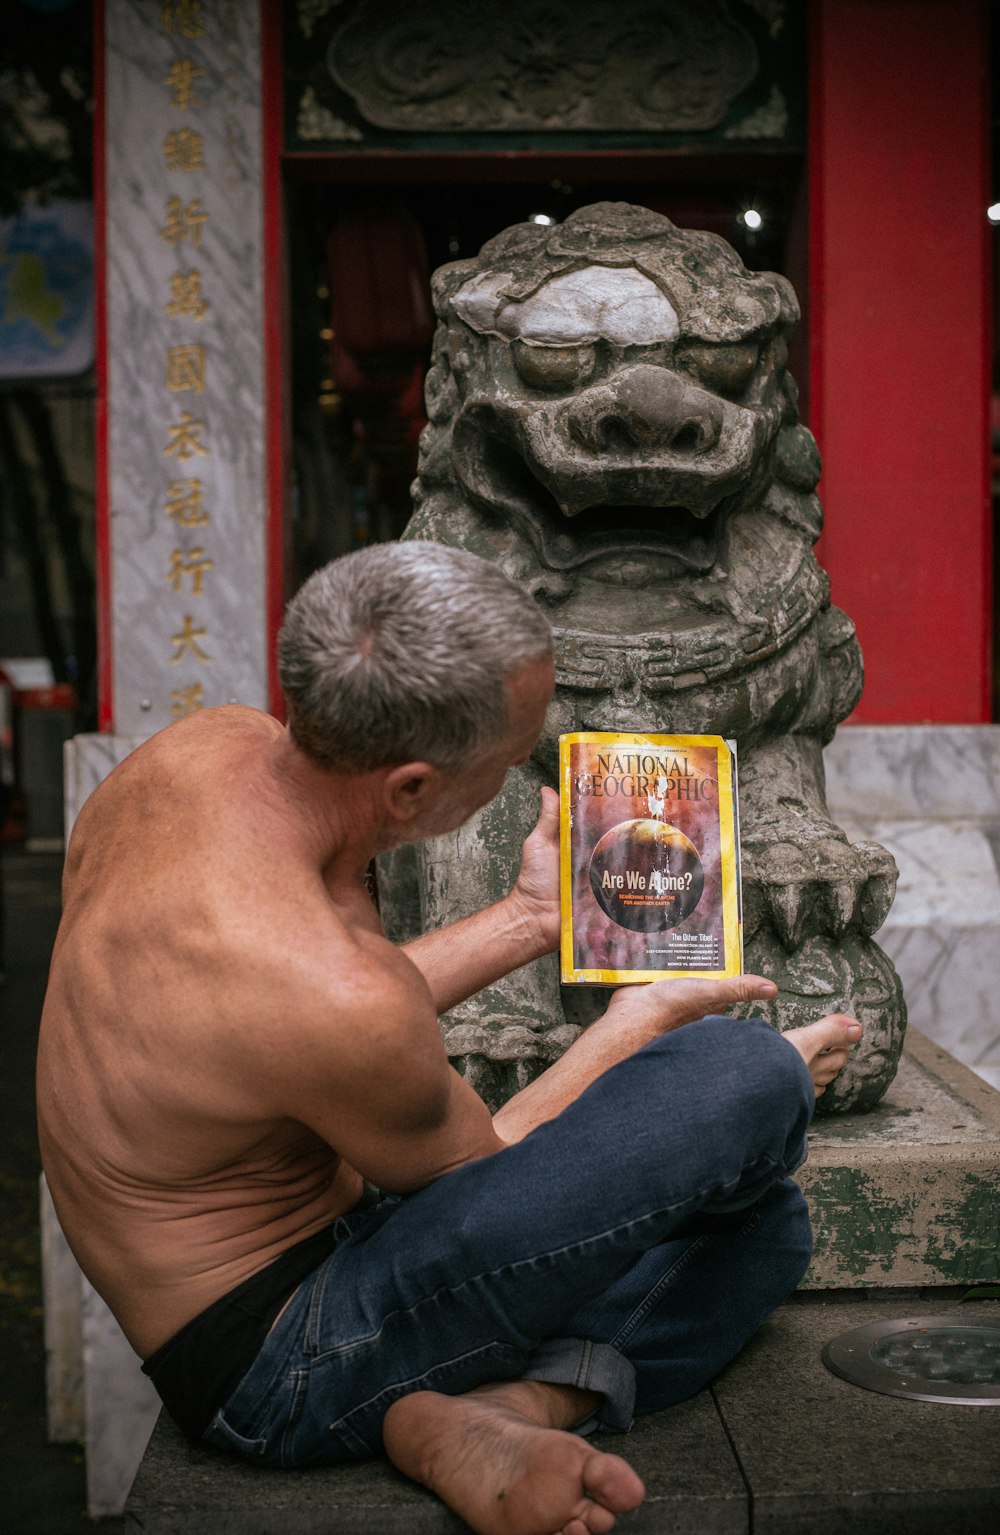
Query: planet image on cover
646	876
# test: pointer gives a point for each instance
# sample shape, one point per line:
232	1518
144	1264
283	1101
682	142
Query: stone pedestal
96	1390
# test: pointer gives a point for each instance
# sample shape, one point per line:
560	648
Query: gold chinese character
185	296
182	150
186	369
187	640
184	503
181	77
191	562
184	221
185	438
187	700
184	18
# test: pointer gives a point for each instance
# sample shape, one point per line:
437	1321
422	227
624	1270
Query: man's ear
410	789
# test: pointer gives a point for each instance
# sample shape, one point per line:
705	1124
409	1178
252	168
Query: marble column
186	481
182	501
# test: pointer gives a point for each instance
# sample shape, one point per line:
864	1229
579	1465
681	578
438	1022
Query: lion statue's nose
646	407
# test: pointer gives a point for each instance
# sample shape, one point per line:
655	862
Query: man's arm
635	1016
458	960
370	1076
379	1089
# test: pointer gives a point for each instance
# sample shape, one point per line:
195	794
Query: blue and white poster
47	291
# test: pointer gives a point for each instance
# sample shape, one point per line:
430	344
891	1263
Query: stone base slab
823	1457
909	1193
777	1444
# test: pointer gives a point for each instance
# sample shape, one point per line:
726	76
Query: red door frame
900	299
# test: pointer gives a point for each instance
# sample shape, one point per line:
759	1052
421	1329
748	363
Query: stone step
823	1457
777	1446
909	1193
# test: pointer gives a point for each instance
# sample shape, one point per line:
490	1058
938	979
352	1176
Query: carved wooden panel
515	73
566	64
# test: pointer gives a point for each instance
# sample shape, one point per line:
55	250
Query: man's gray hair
400	652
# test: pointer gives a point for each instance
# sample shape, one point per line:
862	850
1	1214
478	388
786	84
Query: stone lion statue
611	419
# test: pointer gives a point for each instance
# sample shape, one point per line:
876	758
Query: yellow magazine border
732	924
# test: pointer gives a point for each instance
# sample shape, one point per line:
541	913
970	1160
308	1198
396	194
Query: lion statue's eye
726	369
553	367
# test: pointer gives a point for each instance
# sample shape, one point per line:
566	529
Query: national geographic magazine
649	858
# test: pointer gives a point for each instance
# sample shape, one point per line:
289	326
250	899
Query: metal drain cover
929	1358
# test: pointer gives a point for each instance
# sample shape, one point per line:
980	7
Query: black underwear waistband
199	1368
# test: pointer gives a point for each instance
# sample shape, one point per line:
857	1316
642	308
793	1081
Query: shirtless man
233	1059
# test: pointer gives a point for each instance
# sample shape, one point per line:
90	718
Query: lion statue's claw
823	887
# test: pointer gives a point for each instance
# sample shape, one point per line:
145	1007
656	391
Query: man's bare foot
825	1046
494	1457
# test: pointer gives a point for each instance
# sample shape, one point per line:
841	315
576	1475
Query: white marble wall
120	1407
95	1387
185	358
87	761
62	1297
931	795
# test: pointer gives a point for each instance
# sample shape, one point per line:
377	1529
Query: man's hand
535	895
638	1013
656	1009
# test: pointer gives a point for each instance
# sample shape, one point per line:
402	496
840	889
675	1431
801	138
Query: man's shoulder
189	748
176	775
230	728
363	978
337	1020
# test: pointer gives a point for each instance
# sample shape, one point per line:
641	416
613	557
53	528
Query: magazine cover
649	850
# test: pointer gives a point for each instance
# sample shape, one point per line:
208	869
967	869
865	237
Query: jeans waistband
198	1369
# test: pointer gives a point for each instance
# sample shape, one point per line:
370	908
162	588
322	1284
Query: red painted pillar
900	327
276	363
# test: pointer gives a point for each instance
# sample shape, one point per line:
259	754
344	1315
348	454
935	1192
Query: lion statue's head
612	420
614	388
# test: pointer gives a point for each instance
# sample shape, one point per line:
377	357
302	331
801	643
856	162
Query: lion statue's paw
823	886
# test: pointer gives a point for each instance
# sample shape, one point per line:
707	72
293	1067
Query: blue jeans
630	1246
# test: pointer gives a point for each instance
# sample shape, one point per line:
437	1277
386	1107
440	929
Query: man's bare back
199	952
